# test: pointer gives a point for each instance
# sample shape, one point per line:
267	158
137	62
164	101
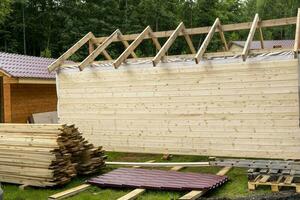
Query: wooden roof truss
102	43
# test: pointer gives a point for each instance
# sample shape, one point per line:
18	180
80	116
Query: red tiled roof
21	66
268	44
158	179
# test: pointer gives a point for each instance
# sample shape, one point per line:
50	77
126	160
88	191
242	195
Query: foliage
52	26
4	9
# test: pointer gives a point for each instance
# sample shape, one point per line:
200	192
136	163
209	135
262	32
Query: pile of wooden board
45	155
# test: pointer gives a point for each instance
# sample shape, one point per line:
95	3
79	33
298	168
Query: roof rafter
134	45
261	37
250	37
297	35
92	48
70	52
206	41
221	33
98	50
180	29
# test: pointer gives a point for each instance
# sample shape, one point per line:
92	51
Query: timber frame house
102	43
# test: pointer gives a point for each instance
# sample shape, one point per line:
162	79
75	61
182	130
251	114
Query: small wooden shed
26	87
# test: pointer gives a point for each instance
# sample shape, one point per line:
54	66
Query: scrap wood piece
206	41
133	194
69	192
250	37
195	194
70	52
136	192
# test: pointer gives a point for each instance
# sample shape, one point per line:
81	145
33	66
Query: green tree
4	9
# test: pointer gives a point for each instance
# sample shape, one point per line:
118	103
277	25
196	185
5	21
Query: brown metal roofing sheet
158	179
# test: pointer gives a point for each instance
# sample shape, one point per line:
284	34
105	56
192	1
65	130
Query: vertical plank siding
241	109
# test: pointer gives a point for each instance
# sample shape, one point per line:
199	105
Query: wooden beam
168	44
161	164
131	47
155	40
92	48
188	40
297	35
195	194
206	41
250	37
70	52
35	81
261	36
126	44
93	55
223	39
205	30
106	55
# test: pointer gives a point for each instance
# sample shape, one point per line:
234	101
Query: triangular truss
103	42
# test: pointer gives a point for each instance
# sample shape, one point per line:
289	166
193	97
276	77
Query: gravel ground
274	196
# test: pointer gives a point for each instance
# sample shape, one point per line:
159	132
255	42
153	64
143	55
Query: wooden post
297	35
7	100
250	37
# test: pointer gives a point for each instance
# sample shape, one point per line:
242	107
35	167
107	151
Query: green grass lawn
236	187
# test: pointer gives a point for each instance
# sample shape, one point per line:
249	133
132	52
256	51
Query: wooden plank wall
241	110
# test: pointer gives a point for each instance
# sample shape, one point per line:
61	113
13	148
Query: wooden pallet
282	181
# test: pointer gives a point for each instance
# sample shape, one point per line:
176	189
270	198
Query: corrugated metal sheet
21	66
158	179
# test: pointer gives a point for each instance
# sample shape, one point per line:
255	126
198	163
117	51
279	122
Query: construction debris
45	155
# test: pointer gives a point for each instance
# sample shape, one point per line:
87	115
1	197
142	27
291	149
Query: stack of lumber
45	154
87	158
